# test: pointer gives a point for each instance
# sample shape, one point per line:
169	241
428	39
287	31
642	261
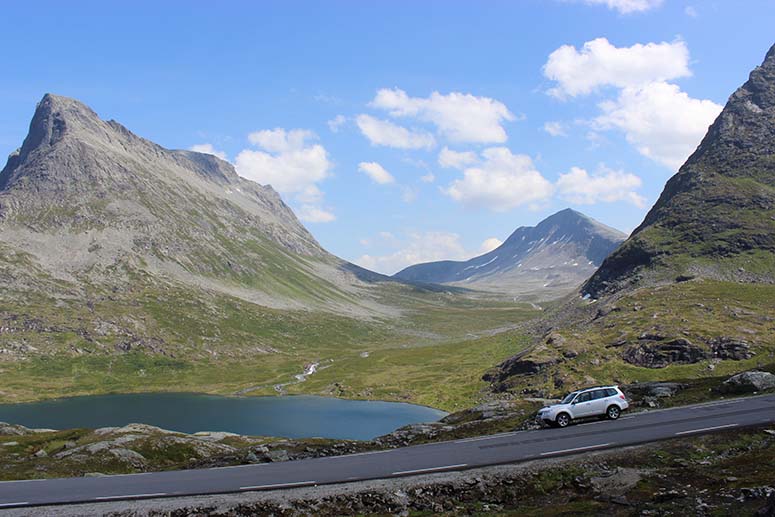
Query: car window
598	394
568	398
610	392
584	397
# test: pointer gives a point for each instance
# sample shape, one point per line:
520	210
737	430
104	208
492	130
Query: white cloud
691	11
208	149
598	63
660	120
385	133
336	123
376	172
291	165
314	214
502	181
428	178
459	117
605	185
489	244
555	128
421	247
627	6
279	140
409	194
456	160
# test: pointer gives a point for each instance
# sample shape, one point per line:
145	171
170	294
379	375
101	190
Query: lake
291	416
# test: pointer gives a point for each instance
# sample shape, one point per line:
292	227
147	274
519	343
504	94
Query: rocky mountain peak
542	261
718	209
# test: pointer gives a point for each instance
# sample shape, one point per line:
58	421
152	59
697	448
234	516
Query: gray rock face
88	202
545	261
718	206
748	382
731	348
659	355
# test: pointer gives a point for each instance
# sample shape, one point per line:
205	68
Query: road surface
407	461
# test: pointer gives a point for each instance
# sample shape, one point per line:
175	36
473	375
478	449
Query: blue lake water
293	416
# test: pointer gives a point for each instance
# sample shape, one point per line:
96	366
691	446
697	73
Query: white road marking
432	469
237	466
2	505
480	438
707	429
576	449
129	496
360	454
279	485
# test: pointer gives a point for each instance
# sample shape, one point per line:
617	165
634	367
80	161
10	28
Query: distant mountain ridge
546	260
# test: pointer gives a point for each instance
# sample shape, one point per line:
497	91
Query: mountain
88	202
546	260
690	293
716	216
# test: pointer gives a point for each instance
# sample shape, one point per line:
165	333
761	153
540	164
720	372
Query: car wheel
562	420
613	412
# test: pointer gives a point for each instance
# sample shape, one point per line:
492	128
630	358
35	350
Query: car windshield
569	398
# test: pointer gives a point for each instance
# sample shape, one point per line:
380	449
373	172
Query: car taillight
622	397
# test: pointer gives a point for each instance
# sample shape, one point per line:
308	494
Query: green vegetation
590	349
161	336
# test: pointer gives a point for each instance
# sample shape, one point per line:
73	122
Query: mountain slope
690	294
88	199
716	216
128	267
547	260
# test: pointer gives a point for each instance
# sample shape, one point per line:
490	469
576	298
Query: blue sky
403	131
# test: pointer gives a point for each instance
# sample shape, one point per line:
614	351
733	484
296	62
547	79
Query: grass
159	336
698	310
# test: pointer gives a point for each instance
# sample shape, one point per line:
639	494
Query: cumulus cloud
657	118
291	164
627	6
208	149
660	120
459	117
314	214
598	64
555	128
420	247
456	160
606	185
500	182
376	172
489	244
388	134
336	123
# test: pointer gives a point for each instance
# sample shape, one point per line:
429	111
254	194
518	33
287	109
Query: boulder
748	382
660	355
654	389
731	348
514	366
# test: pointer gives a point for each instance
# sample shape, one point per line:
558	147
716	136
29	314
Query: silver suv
600	401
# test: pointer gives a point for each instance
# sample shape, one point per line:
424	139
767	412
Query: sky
403	131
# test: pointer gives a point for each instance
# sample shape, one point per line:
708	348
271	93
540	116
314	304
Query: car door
582	406
598	403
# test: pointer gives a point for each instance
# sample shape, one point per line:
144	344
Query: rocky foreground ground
721	474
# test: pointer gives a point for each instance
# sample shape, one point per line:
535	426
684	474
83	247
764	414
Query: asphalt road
453	455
